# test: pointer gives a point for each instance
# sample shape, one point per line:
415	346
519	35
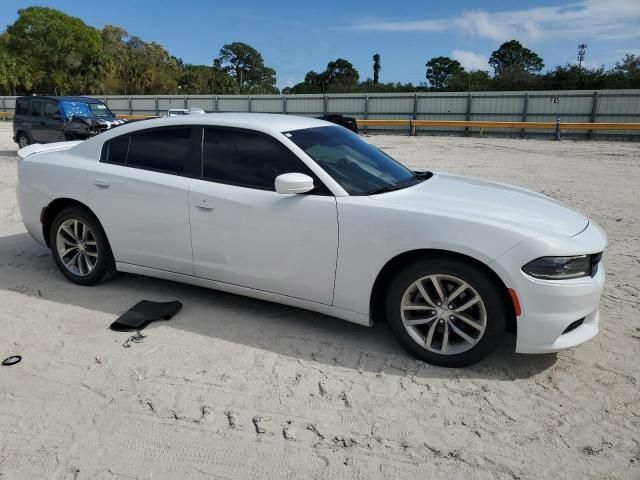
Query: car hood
498	203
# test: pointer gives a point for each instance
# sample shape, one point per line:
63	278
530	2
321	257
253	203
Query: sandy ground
236	388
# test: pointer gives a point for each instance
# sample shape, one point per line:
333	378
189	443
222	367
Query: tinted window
116	150
36	108
359	167
51	111
247	159
166	150
22	106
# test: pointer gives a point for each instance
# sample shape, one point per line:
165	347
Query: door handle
204	205
101	182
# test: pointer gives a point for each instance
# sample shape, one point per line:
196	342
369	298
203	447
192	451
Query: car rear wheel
23	140
446	312
80	247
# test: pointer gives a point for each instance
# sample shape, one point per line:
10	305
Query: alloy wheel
443	314
77	247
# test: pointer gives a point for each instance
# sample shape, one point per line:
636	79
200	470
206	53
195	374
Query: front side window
360	168
248	159
51	111
36	108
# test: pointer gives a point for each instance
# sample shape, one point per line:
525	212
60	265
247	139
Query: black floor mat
143	313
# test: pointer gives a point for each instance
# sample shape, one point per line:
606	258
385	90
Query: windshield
83	109
100	110
360	168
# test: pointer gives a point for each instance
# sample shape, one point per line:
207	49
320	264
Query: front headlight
562	268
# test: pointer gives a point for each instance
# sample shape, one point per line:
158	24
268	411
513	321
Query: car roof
265	122
62	99
270	123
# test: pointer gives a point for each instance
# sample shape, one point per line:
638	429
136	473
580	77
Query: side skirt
354	317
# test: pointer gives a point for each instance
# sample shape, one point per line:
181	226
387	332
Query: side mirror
288	183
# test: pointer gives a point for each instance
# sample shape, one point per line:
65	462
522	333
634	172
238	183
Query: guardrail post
325	107
4	110
415	109
525	111
249	103
215	103
284	104
557	133
156	105
594	112
130	107
468	115
185	102
366	110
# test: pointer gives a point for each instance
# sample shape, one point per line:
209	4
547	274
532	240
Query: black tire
105	266
479	280
23	140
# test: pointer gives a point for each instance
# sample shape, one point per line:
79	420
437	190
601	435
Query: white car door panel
145	215
285	244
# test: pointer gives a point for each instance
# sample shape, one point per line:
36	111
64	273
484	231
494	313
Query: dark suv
56	119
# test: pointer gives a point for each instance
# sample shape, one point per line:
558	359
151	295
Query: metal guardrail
491	124
482	124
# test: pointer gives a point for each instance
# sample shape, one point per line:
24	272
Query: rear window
22	106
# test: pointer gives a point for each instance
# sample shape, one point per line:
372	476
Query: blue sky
297	36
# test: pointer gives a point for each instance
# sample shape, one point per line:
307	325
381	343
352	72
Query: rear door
244	233
140	192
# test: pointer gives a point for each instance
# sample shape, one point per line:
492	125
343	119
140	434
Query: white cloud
605	20
471	60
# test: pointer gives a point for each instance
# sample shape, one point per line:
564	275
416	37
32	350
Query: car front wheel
446	311
80	247
23	140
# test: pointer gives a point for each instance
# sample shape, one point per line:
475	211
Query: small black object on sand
143	313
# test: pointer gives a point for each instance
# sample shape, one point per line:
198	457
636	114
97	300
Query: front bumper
548	309
551	309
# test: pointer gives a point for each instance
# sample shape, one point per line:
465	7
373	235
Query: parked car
176	112
54	119
305	213
346	122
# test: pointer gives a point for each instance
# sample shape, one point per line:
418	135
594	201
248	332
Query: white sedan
305	213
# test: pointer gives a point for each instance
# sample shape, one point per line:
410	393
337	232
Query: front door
244	233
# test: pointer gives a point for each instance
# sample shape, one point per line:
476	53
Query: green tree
472	81
440	70
571	77
512	57
626	73
341	76
59	53
245	64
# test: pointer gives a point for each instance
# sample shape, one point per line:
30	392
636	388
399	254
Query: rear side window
36	108
247	159
166	150
22	106
116	150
